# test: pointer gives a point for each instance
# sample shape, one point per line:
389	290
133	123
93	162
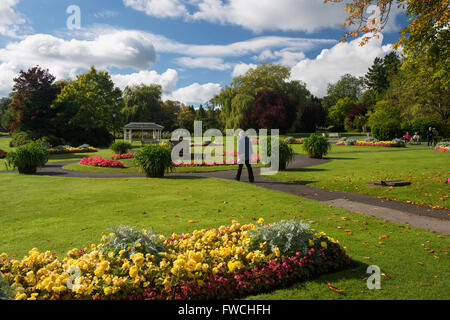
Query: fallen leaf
333	288
192	221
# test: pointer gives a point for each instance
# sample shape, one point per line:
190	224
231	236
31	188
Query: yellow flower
323	244
22	296
107	290
261	221
311	243
133	272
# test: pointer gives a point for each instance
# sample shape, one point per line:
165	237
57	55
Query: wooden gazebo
143	127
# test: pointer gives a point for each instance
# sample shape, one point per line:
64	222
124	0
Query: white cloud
159	8
331	64
195	93
259	15
66	58
9	18
206	62
242	68
167	80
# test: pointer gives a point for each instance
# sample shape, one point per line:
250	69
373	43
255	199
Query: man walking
430	137
244	152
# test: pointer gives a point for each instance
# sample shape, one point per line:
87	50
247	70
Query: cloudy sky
193	48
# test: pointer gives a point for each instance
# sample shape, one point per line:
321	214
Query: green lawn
61	213
427	170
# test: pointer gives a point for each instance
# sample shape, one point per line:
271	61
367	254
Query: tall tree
34	92
85	109
142	103
347	87
272	110
381	73
169	111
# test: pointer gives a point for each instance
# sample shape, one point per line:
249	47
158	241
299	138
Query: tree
385	121
271	111
169	111
4	111
142	103
186	118
339	111
85	109
347	87
237	99
34	92
427	19
381	73
312	116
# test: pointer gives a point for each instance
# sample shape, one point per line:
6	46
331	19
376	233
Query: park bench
333	135
145	141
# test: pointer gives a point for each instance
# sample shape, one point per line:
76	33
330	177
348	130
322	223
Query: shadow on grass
304	170
71	156
340	158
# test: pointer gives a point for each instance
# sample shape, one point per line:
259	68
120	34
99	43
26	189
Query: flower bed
294	141
100	162
223	263
71	150
442	149
122	156
3	154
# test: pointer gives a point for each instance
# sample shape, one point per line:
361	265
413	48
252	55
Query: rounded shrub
154	160
121	147
20	138
386	130
316	146
27	158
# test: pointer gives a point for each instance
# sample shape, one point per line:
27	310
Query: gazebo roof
143	126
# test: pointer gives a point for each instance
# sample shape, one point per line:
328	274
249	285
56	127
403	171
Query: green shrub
316	146
133	241
121	147
288	236
50	141
20	138
27	158
286	155
387	130
154	160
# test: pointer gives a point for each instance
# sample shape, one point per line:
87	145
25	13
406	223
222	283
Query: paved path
437	220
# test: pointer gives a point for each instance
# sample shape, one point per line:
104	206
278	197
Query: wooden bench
148	141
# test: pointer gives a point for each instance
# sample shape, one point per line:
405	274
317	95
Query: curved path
437	220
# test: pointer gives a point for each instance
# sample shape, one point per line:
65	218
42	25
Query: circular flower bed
100	162
220	263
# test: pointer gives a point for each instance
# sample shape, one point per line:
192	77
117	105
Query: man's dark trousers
251	178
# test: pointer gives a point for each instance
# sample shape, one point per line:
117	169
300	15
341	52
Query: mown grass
427	171
58	214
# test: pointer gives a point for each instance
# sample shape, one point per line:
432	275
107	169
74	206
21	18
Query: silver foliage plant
133	241
289	236
5	290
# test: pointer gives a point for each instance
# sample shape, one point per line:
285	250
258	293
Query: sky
192	48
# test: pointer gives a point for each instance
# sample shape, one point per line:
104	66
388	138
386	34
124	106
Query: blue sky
192	48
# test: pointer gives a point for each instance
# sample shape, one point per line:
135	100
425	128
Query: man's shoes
237	179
